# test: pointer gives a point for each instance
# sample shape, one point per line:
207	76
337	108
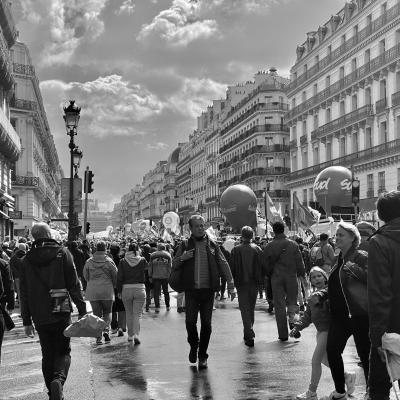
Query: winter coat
131	269
246	264
160	265
282	256
348	282
100	273
47	265
16	263
384	281
6	290
317	312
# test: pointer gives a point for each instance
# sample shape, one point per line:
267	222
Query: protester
159	270
131	289
47	270
284	263
16	265
366	230
383	290
202	262
100	273
347	291
246	267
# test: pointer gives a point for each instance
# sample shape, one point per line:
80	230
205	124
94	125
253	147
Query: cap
365	228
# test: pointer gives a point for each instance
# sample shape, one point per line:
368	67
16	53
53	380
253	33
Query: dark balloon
332	187
239	204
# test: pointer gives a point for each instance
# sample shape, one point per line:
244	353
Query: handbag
9	323
88	326
175	279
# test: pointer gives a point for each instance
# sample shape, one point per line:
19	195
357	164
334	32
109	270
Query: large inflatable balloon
239	204
332	187
171	221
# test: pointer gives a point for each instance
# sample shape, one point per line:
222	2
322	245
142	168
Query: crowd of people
346	286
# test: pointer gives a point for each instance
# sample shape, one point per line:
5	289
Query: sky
143	70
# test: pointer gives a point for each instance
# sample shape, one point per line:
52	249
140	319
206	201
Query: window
270	162
382	46
354	102
315	155
311	194
303	96
305	127
342	108
315	89
355	142
328	151
342	146
316	123
305	197
304	157
367	56
383	132
398	179
327	81
328	115
381	182
370	185
368	98
341	72
269	141
353	64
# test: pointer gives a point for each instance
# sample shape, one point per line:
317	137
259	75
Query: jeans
56	349
158	284
199	300
284	289
102	309
2	329
379	381
133	299
340	330
247	297
319	357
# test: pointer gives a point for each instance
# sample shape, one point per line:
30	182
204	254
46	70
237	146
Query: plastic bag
88	326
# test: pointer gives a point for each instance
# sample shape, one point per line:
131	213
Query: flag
302	216
273	215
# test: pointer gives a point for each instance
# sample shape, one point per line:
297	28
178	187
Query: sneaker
99	341
350	381
193	355
337	396
283	339
202	363
270	308
56	390
130	338
309	395
120	333
106	337
249	342
136	339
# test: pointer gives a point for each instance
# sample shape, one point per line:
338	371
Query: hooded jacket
47	265
384	281
160	264
16	263
131	270
100	274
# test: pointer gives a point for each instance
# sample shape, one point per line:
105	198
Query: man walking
202	264
246	267
383	290
48	275
283	263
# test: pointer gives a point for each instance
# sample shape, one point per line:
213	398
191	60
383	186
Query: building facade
254	141
37	173
344	100
10	144
170	187
183	182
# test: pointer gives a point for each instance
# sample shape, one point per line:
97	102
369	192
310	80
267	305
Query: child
317	312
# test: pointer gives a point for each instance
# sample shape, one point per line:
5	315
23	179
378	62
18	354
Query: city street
159	369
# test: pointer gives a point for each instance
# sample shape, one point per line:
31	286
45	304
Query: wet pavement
158	368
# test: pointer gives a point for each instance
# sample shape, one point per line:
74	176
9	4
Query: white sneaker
337	396
309	395
350	381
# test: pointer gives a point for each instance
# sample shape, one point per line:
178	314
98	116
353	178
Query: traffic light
89	181
355	191
87	227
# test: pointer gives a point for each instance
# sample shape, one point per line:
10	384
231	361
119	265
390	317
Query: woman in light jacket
131	289
100	273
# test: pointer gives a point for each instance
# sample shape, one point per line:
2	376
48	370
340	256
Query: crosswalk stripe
18	393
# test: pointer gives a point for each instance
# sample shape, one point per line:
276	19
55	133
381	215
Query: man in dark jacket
48	268
283	263
15	265
203	263
246	267
383	290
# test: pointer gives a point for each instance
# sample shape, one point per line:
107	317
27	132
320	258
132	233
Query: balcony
264	172
396	99
342	122
24	104
349	44
361	73
10	142
212	199
184	176
380	105
381	150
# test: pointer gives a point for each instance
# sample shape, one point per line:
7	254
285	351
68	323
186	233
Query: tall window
354	102
355	142
305	157
381	182
328	115
305	127
370	185
328	149
368	98
342	108
315	121
383	132
367	56
315	155
305	197
342	148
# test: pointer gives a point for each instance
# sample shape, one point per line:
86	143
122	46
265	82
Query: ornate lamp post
71	118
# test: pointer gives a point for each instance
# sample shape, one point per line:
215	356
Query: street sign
77	206
77	195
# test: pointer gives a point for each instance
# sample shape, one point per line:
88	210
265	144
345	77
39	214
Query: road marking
19	393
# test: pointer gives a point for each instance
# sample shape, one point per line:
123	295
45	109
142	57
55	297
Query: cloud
127	7
180	24
65	25
195	95
111	106
157	146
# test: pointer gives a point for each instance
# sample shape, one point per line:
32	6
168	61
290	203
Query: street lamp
71	117
77	155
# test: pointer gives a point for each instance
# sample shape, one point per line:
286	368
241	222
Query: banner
302	216
273	215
